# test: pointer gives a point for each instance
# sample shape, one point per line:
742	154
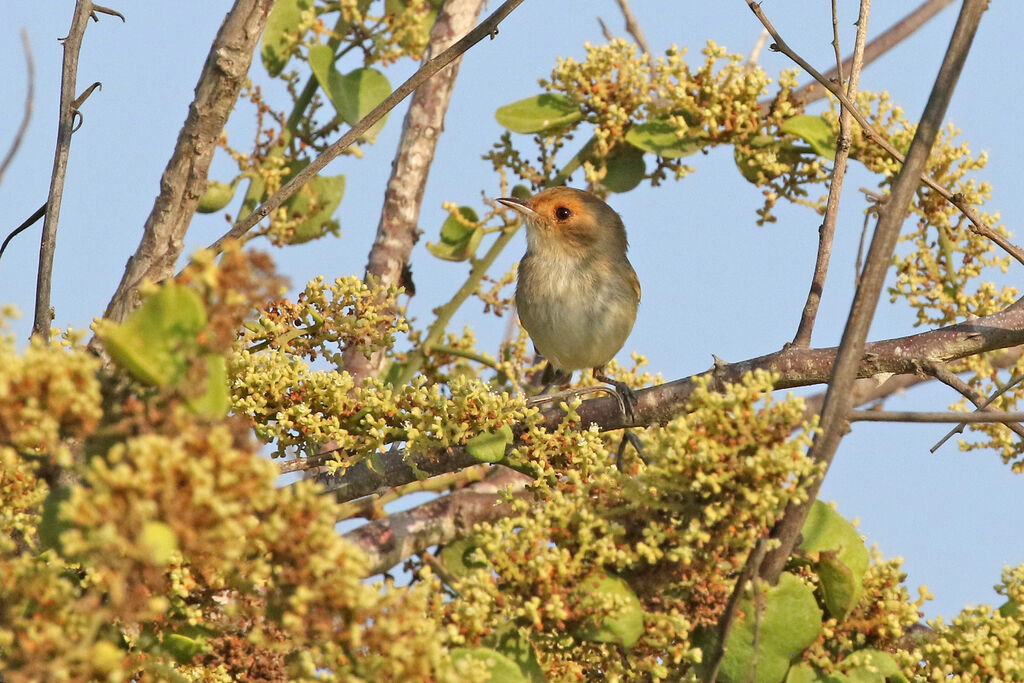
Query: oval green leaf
625	168
625	624
217	196
660	137
538	113
283	20
316	202
830	540
815	131
490	446
502	669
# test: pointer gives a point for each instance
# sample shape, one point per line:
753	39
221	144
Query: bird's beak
519	205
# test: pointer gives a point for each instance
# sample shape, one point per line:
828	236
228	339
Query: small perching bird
577	293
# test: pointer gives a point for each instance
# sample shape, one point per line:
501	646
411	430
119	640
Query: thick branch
65	128
794	367
398	229
184	179
849	358
488	27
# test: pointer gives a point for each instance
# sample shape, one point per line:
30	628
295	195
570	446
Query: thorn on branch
106	10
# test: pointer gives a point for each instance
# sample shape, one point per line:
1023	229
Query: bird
577	293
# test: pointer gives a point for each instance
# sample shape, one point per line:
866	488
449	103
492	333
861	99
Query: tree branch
401	535
488	27
849	357
932	416
65	129
398	229
184	180
794	368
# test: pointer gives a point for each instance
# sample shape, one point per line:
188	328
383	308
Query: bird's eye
562	213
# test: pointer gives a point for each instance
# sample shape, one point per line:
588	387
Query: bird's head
570	219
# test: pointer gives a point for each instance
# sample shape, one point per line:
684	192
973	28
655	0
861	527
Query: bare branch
184	179
398	229
932	416
633	27
488	27
65	125
827	230
849	357
794	367
26	116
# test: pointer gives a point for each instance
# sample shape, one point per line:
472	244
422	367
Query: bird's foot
567	394
628	439
628	400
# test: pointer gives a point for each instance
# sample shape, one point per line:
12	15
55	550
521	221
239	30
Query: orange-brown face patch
566	212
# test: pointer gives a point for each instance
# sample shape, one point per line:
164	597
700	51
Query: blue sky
714	282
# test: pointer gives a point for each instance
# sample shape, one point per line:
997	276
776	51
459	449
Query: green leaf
538	113
159	542
284	20
661	137
185	643
364	89
815	131
217	196
52	524
215	399
835	546
458	241
1012	609
490	446
625	167
872	666
353	95
316	201
457	557
625	624
510	642
152	343
784	623
503	669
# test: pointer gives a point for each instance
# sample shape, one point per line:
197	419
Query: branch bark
65	129
849	357
794	368
398	229
397	537
184	180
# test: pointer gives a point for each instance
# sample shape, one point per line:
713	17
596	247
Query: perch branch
26	115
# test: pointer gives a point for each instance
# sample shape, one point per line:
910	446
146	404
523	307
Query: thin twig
978	400
26	116
849	357
398	229
488	27
65	123
826	234
933	416
978	227
633	27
